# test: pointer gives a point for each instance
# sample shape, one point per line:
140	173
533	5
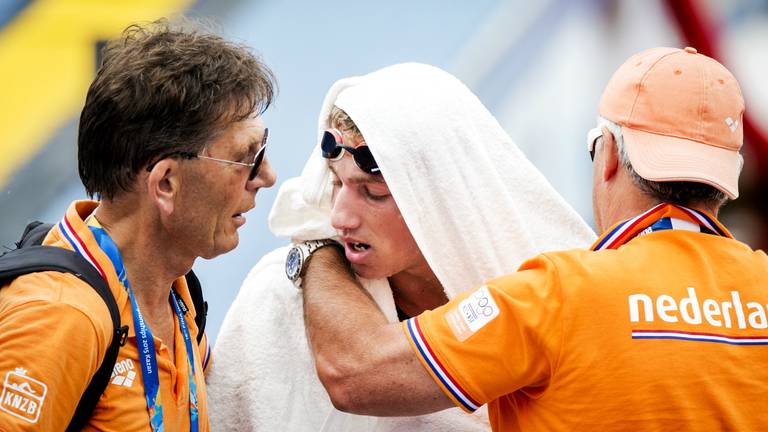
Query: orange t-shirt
668	332
54	332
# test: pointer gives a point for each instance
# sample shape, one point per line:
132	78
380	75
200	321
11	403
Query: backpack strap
201	312
34	234
201	306
31	259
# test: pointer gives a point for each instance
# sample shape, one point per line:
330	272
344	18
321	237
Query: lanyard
663	216
145	340
193	416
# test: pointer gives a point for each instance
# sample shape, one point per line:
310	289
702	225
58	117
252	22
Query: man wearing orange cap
661	325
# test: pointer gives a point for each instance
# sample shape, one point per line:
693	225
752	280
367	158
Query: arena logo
717	313
123	374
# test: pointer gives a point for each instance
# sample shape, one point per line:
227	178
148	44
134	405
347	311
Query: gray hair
676	192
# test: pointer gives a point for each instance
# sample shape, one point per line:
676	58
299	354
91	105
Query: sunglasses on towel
333	148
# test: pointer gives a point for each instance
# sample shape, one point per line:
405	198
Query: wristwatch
299	256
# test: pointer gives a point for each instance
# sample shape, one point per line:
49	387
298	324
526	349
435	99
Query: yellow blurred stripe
47	61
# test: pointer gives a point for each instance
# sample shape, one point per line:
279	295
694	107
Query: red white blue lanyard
144	338
663	216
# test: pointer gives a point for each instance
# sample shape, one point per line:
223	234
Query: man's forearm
364	362
336	309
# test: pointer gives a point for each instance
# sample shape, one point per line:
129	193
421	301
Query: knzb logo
22	396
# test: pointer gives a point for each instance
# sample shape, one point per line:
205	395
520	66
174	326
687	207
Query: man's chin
367	272
222	248
360	271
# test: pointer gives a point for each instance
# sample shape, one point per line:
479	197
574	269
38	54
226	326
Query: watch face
293	263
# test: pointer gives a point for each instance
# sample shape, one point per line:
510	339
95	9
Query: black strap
34	234
201	306
31	259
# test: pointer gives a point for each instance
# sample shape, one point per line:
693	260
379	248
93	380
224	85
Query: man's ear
164	184
609	158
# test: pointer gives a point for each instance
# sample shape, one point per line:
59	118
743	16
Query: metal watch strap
313	245
306	248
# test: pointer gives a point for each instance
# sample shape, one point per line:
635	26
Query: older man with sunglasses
660	325
172	144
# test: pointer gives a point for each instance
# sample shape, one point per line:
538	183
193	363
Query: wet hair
340	120
164	88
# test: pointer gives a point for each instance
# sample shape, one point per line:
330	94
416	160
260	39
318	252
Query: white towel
474	204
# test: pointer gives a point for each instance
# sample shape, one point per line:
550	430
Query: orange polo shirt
54	332
668	332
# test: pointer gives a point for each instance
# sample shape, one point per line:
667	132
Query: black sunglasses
332	148
255	165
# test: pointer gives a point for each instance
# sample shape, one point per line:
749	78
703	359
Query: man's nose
264	179
344	215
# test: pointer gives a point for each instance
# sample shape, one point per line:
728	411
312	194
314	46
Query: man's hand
364	362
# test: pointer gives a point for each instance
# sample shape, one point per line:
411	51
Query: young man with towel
417	179
661	325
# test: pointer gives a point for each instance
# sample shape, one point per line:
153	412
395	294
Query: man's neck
621	210
150	265
415	292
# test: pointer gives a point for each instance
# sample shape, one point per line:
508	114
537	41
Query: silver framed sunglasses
258	158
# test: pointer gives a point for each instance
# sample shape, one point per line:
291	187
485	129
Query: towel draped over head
472	201
474	204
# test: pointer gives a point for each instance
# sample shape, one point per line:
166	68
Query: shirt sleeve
50	350
496	339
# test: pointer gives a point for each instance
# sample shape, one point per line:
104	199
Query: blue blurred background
538	65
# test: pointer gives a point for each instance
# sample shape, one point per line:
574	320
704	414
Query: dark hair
163	88
680	192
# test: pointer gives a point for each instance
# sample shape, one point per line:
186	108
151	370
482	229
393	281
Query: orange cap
681	117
